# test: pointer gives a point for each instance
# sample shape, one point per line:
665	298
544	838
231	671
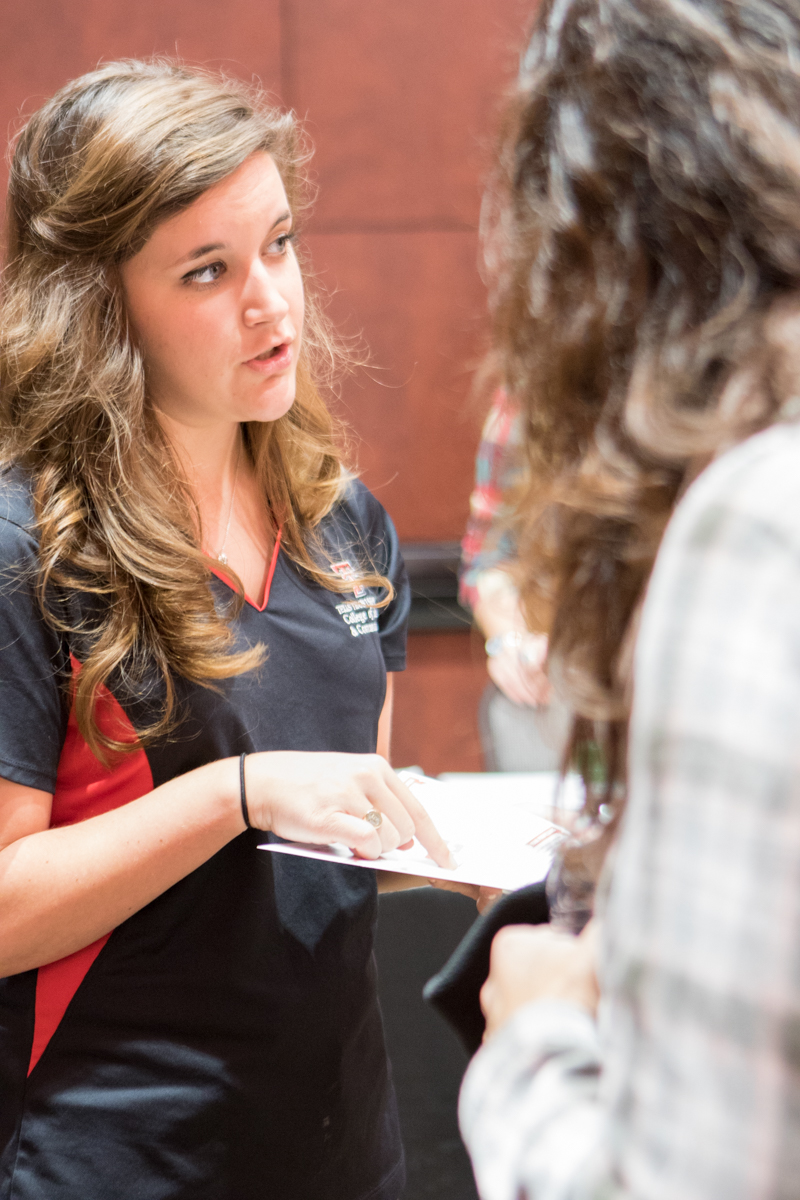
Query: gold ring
374	818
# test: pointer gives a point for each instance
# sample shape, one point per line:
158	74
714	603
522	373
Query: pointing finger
425	830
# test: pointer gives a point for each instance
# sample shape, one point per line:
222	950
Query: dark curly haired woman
644	241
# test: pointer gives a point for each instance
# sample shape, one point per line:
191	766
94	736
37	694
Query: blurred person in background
199	606
644	243
523	724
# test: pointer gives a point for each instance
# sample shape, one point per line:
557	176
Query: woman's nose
263	301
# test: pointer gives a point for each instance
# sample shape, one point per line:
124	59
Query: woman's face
215	299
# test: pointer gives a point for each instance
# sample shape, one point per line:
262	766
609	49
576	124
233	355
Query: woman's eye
207	274
281	244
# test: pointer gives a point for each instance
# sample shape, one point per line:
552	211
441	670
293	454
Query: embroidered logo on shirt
344	570
359	614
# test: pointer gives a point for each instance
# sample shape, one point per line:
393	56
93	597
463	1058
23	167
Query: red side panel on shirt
85	788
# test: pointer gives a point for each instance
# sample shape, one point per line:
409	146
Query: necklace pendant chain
221	555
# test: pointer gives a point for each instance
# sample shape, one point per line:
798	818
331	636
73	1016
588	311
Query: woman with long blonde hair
197	614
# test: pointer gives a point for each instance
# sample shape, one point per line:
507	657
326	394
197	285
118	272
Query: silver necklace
222	556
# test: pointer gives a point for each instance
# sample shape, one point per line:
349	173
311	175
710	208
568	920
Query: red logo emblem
344	570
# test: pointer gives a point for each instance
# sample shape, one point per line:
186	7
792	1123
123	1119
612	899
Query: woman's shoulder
735	534
356	499
757	481
18	531
358	523
359	511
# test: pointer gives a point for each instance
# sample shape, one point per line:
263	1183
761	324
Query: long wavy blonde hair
93	173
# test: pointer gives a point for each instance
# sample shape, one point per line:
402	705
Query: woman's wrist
529	648
243	791
224	791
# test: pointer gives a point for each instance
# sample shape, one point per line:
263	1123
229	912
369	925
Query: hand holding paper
327	796
498	842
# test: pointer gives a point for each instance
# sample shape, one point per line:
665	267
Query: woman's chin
273	404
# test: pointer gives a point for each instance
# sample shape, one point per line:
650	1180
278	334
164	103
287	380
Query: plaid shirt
498	467
689	1087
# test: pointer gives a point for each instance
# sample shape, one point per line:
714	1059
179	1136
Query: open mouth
273	353
273	361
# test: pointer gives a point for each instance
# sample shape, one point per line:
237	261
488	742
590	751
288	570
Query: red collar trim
273	563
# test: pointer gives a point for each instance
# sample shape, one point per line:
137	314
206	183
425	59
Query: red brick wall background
401	102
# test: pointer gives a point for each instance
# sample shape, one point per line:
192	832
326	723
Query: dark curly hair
642	237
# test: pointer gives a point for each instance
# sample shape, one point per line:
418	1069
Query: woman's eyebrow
212	246
201	250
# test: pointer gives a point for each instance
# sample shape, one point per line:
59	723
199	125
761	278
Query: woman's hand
534	962
484	897
324	797
519	670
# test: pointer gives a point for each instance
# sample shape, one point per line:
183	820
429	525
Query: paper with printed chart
497	838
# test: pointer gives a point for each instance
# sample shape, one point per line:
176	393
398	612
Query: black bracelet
242	790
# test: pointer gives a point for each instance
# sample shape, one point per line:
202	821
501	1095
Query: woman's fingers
325	797
387	833
425	830
484	897
535	963
524	684
380	796
403	815
451	885
356	834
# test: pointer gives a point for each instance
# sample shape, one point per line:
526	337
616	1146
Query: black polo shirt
225	1042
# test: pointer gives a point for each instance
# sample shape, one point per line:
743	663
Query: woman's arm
536	1082
517	664
488	554
385	721
61	889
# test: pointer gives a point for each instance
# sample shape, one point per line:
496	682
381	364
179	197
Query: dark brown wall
401	101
